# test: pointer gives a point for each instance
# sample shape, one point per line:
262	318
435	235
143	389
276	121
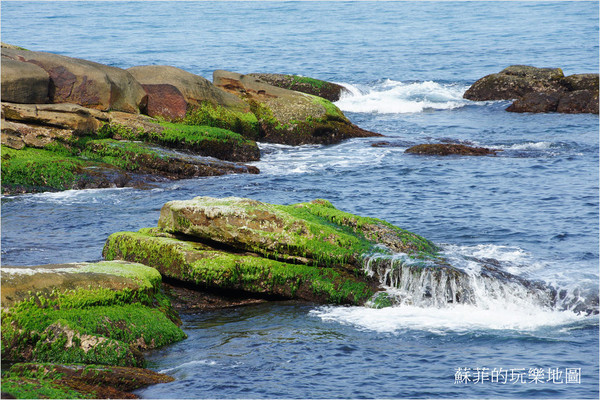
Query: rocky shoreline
79	330
69	123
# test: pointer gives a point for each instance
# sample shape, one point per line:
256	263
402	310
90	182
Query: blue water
534	206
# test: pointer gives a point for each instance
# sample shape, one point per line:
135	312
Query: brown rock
578	101
287	116
24	82
66	116
17	135
86	83
445	149
165	101
316	87
514	82
194	88
536	102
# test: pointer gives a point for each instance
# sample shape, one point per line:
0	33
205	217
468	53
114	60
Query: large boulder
24	82
513	82
86	83
181	86
316	87
102	313
287	116
539	90
309	251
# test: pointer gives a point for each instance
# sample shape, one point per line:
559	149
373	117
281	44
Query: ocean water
533	207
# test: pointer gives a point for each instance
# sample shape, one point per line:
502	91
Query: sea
532	208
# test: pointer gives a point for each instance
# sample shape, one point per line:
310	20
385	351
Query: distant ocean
533	207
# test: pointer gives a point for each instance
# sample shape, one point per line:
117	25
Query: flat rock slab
316	87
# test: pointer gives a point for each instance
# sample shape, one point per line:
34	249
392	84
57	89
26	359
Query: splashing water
393	97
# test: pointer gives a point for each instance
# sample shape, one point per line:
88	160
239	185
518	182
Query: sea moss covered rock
102	313
76	381
309	251
287	116
327	90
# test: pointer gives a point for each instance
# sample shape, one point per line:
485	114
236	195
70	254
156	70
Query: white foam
394	97
187	364
530	146
459	317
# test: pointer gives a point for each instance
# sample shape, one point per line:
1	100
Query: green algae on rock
101	313
309	251
76	381
287	116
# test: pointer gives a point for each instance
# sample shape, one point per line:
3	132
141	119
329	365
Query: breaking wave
394	97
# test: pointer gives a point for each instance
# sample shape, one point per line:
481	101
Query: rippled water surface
533	206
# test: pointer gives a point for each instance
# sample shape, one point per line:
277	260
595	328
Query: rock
536	102
327	90
24	82
86	83
102	313
11	46
539	90
165	101
66	116
578	101
206	267
289	117
309	251
17	135
445	149
194	88
513	82
581	82
77	381
200	140
150	159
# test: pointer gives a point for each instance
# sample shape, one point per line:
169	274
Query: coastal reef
538	90
80	315
69	123
309	251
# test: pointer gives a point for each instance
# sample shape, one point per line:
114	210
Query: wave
469	291
394	97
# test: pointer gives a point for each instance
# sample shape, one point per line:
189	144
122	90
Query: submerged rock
539	90
445	149
102	313
68	381
308	251
287	116
327	90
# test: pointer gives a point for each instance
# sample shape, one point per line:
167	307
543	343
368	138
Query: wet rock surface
447	149
539	90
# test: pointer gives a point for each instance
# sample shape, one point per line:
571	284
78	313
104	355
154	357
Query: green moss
332	112
130	156
39	388
316	83
39	168
199	264
380	300
116	322
208	114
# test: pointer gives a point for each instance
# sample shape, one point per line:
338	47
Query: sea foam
394	97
